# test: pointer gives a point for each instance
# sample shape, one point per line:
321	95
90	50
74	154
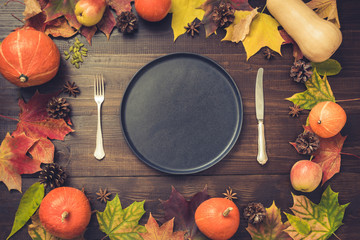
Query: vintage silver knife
259	101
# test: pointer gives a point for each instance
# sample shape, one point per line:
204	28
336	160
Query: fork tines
99	84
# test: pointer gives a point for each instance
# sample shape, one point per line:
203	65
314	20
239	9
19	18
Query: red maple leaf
184	210
88	32
37	22
58	18
14	161
297	54
107	23
120	5
59	8
328	156
36	124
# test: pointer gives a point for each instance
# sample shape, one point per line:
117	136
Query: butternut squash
317	38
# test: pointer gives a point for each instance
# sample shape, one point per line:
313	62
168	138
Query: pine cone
126	22
307	142
301	71
53	175
223	15
254	213
57	107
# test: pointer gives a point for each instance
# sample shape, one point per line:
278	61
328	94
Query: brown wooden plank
258	188
122	56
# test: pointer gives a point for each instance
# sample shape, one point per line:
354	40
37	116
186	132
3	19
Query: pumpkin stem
23	78
227	211
319	122
64	215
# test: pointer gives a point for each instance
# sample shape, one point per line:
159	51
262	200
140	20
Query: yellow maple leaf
238	30
184	12
263	32
326	9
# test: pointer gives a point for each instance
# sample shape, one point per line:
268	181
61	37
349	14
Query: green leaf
299	224
121	224
323	218
318	90
38	232
329	67
28	204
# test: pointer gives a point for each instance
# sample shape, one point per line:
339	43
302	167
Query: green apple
90	12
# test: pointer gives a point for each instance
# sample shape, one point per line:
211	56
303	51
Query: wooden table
121	172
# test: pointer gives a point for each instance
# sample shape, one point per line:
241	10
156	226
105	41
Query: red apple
305	176
90	12
152	10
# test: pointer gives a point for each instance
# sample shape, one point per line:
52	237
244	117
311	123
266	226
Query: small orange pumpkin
28	57
65	212
152	10
217	218
327	119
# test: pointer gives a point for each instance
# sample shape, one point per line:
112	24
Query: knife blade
259	103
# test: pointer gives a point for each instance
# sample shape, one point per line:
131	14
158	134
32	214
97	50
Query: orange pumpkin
217	218
65	212
28	57
152	10
327	119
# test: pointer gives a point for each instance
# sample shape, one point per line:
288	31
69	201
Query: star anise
229	194
71	88
268	53
295	110
103	195
192	28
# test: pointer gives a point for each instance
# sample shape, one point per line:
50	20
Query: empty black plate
181	113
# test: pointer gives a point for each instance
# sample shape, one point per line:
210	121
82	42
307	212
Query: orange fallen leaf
165	232
14	161
326	9
36	124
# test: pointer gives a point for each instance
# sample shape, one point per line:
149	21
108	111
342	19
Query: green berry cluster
76	52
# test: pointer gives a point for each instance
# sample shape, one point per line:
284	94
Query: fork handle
99	149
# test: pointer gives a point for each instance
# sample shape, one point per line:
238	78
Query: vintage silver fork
99	96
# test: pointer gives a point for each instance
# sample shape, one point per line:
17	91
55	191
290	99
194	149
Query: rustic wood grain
249	188
120	57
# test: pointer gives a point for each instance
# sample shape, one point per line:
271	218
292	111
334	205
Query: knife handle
262	156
